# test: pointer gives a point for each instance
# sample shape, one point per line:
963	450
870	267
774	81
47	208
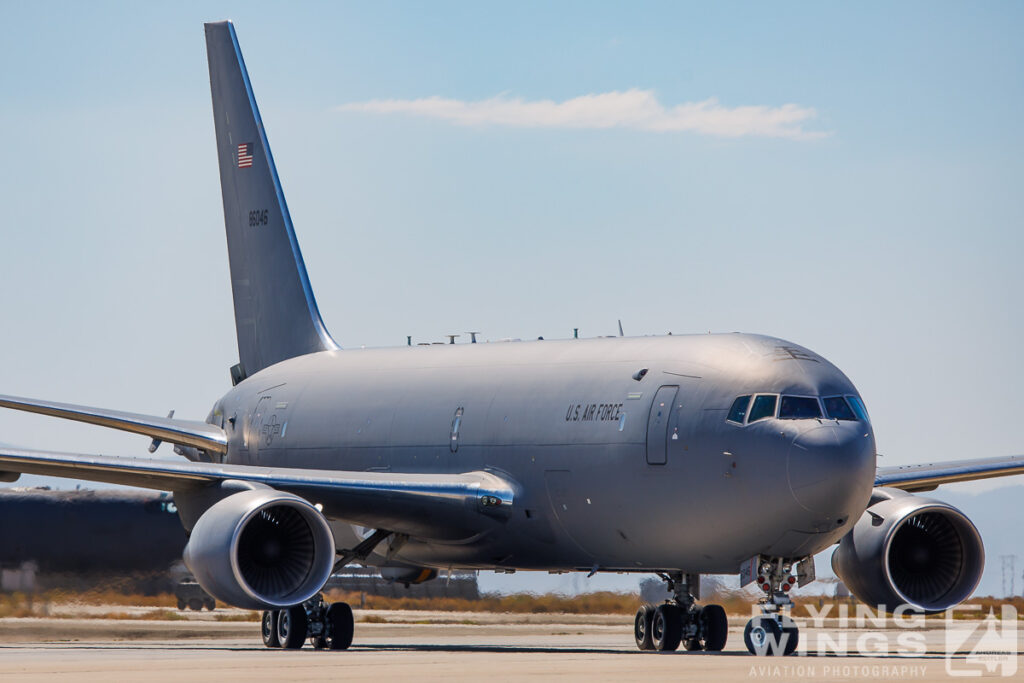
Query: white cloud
633	109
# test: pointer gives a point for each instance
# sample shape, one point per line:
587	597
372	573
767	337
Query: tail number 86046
257	217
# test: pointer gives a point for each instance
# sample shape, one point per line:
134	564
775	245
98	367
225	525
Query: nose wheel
772	633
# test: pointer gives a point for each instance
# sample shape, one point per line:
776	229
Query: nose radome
831	469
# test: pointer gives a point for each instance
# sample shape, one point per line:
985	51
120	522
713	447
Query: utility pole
1009	575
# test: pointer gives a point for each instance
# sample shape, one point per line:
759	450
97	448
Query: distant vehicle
191	595
676	456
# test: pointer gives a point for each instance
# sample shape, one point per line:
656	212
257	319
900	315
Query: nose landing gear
664	627
772	632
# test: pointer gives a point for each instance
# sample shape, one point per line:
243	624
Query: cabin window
764	406
739	409
837	408
799	408
456	423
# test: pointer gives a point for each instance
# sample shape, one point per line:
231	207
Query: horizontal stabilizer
200	435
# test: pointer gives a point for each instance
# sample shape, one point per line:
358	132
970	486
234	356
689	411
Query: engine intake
912	551
261	549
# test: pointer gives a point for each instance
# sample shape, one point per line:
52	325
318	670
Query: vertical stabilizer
276	316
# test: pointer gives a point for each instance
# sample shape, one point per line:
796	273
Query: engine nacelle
912	551
261	549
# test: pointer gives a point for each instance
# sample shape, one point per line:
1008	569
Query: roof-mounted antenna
452	337
575	333
620	328
472	337
408	340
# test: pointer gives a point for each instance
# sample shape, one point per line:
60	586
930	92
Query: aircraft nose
831	469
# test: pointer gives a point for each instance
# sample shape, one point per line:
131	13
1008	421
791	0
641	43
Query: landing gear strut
664	627
326	626
772	632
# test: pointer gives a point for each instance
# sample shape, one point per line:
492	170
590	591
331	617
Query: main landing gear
326	626
772	632
664	627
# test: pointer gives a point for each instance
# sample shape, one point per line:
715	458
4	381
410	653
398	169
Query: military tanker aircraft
675	455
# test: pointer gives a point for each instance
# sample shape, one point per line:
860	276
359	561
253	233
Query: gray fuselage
610	472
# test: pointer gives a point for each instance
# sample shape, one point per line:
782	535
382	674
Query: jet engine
261	549
910	551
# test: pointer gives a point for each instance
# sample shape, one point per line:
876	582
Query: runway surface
487	648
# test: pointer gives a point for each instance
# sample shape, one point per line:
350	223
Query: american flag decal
245	155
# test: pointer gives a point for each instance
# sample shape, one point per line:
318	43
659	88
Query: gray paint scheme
182	432
925	477
276	316
556	462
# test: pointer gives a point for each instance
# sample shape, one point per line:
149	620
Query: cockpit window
739	409
799	408
837	408
858	407
764	406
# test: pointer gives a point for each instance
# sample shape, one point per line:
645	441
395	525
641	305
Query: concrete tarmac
482	648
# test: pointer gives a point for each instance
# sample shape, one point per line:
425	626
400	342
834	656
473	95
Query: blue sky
884	234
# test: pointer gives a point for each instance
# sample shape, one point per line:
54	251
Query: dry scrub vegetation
737	603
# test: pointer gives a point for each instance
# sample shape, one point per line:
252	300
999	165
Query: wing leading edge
926	477
423	505
182	432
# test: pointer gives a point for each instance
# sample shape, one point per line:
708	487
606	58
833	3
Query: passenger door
662	414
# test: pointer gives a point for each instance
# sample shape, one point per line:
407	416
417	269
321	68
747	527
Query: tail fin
276	316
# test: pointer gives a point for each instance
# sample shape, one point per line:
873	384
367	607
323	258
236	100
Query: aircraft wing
426	505
927	477
183	432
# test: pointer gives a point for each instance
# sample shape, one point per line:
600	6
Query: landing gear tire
340	626
714	627
666	627
210	604
195	604
763	637
268	628
291	627
790	636
182	604
692	644
642	627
